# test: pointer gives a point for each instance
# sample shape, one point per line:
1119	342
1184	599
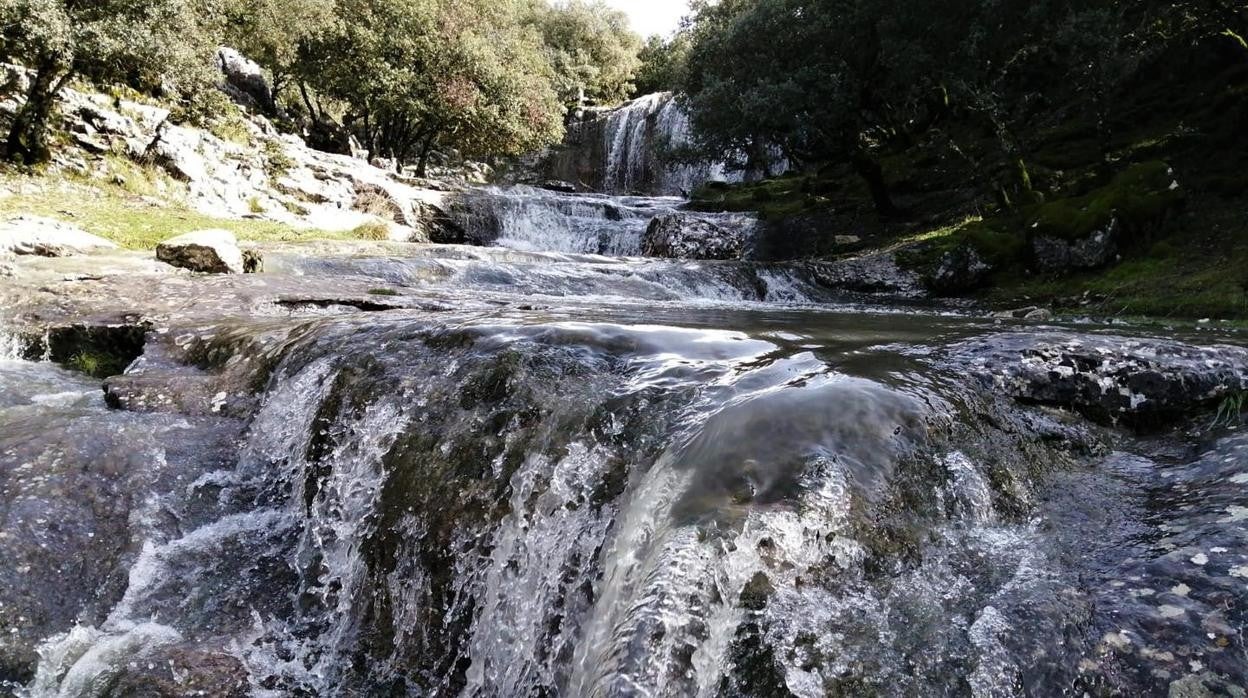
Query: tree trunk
870	171
307	101
27	141
422	164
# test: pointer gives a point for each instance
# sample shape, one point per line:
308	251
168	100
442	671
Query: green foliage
1230	410
467	74
274	32
663	64
97	364
591	48
278	160
147	44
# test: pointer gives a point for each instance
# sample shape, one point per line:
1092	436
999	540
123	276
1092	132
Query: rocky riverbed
420	469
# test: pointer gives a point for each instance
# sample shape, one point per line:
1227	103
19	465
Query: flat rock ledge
31	235
1109	379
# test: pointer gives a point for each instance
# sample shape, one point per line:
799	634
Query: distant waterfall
624	151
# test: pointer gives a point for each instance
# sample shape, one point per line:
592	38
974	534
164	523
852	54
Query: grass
382	292
772	199
135	221
96	365
372	230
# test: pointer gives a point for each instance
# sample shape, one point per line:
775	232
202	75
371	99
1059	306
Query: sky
653	16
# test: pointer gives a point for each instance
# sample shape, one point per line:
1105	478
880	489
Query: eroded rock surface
207	251
1108	378
687	236
32	235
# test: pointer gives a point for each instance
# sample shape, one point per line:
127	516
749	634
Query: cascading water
534	470
631	149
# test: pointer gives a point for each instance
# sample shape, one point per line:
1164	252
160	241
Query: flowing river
548	468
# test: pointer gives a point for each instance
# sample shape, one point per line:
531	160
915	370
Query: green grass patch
113	212
382	292
772	199
96	365
1166	282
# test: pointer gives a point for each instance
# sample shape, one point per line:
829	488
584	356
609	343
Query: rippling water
663	479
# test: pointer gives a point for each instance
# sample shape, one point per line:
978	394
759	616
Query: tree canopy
481	76
591	48
145	43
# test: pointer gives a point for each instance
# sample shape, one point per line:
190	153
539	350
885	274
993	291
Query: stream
551	468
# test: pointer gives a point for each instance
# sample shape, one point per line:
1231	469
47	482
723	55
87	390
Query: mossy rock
1141	199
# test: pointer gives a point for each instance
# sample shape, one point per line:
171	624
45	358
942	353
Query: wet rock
182	670
1108	379
559	186
30	235
208	251
244	81
253	261
1095	251
1039	315
961	269
873	273
685	236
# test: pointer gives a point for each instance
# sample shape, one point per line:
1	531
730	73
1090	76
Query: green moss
772	199
382	292
1140	198
96	365
1004	250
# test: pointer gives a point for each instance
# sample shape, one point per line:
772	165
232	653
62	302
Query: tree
814	78
415	74
662	64
272	32
591	48
152	42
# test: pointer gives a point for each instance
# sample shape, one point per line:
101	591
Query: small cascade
529	219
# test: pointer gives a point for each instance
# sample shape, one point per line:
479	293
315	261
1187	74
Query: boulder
245	82
30	235
1054	254
872	273
685	236
208	251
558	185
1109	379
960	269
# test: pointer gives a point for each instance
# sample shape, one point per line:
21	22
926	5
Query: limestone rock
1106	378
685	236
873	273
30	235
960	269
1095	251
209	251
245	81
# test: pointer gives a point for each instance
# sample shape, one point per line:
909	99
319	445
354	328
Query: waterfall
626	150
529	219
506	508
